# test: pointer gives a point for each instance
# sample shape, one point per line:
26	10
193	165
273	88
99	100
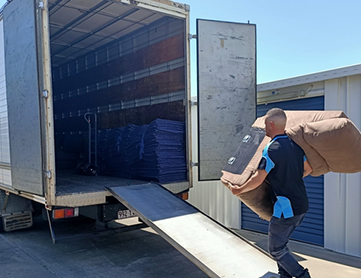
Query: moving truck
73	73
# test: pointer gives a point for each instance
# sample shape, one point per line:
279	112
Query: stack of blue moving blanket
154	152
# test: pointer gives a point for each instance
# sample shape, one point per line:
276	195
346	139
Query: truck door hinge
193	164
41	5
45	94
193	102
48	174
190	36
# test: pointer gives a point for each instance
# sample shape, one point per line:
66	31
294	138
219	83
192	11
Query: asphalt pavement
30	253
83	250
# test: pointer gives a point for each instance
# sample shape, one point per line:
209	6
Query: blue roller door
311	230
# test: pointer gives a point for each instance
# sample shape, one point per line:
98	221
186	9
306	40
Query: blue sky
293	37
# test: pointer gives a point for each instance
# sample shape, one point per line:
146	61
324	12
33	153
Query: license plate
125	214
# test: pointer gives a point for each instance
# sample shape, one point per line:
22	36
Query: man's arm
256	180
307	169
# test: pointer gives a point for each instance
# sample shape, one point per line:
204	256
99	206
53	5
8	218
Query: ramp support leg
50	227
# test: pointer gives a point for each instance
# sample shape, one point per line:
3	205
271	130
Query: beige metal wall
343	191
212	197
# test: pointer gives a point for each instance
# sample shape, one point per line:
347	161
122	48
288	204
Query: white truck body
51	54
128	62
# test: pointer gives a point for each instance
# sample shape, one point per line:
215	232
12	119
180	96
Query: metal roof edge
174	8
313	77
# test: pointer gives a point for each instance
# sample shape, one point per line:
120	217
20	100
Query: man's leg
282	272
279	232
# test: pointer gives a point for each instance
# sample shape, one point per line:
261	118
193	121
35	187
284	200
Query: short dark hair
277	115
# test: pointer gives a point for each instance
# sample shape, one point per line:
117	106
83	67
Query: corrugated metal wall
343	191
311	229
212	197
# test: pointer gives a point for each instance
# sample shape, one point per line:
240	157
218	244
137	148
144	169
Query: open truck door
227	107
28	92
226	91
227	83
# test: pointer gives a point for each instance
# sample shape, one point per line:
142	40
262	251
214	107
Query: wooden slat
212	247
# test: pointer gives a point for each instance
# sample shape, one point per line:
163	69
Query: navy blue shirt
283	160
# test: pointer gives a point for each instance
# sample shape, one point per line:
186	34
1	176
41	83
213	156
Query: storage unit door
311	230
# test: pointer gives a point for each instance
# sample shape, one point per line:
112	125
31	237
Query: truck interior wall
134	79
138	115
118	83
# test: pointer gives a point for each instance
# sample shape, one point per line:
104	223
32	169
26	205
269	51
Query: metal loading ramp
209	245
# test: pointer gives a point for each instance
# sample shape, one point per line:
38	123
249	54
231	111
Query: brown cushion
295	118
331	143
252	166
338	141
317	162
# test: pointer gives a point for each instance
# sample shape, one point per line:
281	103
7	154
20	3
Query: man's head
275	122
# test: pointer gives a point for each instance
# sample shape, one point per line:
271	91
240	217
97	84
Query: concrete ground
139	253
30	253
322	263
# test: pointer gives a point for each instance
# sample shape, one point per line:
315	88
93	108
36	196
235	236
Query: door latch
48	174
45	94
191	36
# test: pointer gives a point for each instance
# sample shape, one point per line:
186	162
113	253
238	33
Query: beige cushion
336	141
329	139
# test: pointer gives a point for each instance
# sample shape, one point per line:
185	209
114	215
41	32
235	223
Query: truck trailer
95	117
74	71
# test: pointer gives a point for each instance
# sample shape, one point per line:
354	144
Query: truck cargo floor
73	183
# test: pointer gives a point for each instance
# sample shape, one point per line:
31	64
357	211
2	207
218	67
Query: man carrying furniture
284	164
